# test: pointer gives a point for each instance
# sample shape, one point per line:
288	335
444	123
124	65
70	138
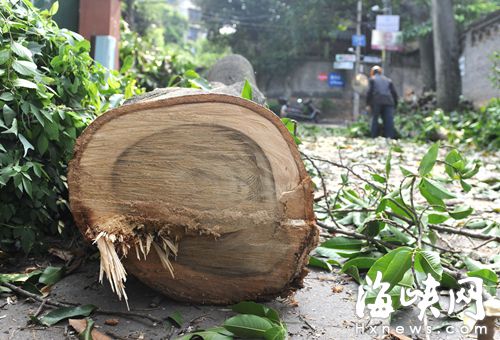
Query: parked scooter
303	110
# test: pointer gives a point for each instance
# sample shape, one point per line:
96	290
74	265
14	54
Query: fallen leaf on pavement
80	324
337	289
111	322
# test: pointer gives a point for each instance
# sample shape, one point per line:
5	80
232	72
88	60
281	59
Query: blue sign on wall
359	40
335	80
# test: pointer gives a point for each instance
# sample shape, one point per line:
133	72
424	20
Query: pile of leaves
392	226
50	89
424	122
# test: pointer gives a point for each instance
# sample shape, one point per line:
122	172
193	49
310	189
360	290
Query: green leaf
452	157
275	333
200	83
59	314
429	262
127	64
247	91
434	192
207	335
25	68
406	172
42	144
388	164
461	212
8	115
87	332
354	273
26	145
249	307
448	281
466	186
291	126
51	275
19	82
27	187
176	319
6	97
54	8
473	265
378	178
429	160
359	262
341	242
319	263
490	279
21	51
248	326
392	265
4	56
436	218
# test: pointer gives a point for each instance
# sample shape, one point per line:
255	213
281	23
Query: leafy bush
156	66
50	89
480	128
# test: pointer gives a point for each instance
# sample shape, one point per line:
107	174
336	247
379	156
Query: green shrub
50	89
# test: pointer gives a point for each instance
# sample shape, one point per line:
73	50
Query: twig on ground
52	303
484	243
355	174
354	235
40	309
459	231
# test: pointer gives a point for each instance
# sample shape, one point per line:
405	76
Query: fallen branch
57	304
354	234
459	231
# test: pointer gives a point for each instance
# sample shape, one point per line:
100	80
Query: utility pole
355	106
386	55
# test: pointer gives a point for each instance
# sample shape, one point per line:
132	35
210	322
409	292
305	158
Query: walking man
382	99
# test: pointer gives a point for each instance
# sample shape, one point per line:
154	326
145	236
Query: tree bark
446	49
427	62
202	195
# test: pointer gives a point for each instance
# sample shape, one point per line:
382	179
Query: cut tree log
203	196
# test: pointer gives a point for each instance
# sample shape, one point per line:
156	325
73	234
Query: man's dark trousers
387	113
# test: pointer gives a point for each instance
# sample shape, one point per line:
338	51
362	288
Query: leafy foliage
50	89
480	128
275	34
395	224
160	65
254	321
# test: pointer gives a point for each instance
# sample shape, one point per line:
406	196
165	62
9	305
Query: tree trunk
427	67
202	195
446	53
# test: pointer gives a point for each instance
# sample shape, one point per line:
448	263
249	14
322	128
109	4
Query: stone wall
481	39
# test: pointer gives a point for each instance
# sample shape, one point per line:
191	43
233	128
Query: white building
193	14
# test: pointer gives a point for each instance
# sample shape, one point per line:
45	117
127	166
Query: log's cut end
203	197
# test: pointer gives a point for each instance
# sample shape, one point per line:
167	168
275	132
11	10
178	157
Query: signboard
335	80
345	57
387	23
343	65
389	41
322	76
372	59
359	40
